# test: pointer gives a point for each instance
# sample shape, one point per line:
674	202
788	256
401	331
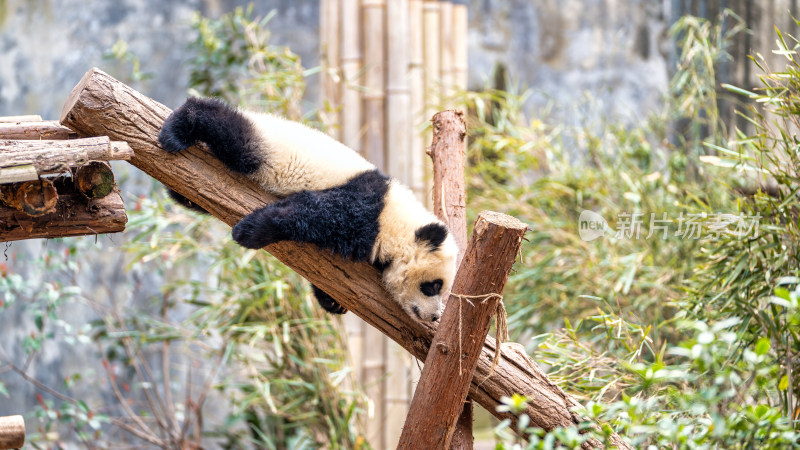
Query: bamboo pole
12	432
374	12
398	130
398	94
376	347
446	54
330	19
416	80
432	81
351	72
460	40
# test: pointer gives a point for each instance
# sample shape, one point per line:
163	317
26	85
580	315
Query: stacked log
55	185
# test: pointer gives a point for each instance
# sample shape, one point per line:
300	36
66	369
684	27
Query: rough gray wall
616	51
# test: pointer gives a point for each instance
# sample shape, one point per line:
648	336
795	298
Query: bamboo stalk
351	68
398	130
376	345
432	81
330	15
373	12
446	54
416	80
398	95
460	39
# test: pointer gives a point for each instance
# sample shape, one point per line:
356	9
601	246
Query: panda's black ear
433	234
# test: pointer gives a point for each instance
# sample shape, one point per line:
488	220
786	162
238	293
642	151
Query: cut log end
12	432
34	198
95	179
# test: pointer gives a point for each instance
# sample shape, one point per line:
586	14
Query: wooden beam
74	215
49	129
57	156
439	398
102	105
17	119
12	432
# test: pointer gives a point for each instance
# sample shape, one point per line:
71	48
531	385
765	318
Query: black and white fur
331	197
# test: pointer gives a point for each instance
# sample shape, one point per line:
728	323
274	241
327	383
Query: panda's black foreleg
343	219
228	133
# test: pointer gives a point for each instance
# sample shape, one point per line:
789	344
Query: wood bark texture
102	106
56	156
74	215
448	151
12	432
448	177
439	398
34	198
49	129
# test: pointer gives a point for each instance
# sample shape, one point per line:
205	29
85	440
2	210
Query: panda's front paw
255	231
176	133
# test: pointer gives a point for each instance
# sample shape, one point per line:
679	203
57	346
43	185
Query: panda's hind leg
227	132
327	302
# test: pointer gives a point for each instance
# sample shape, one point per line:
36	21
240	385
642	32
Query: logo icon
591	225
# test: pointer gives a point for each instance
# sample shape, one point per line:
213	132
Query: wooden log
18	119
74	215
448	152
101	105
439	398
52	156
449	147
12	432
49	129
95	179
34	198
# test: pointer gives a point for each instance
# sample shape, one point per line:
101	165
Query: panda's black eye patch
431	288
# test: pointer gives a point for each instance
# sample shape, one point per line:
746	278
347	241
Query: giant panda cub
330	196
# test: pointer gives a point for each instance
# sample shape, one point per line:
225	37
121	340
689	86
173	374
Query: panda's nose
434	317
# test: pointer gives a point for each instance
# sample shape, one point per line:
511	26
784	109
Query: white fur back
300	158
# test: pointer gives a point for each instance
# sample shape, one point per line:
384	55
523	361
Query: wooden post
12	432
454	352
101	105
448	152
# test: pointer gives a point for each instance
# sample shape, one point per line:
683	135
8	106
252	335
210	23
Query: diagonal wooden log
103	106
446	378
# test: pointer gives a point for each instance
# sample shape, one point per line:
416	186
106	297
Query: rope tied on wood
500	324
